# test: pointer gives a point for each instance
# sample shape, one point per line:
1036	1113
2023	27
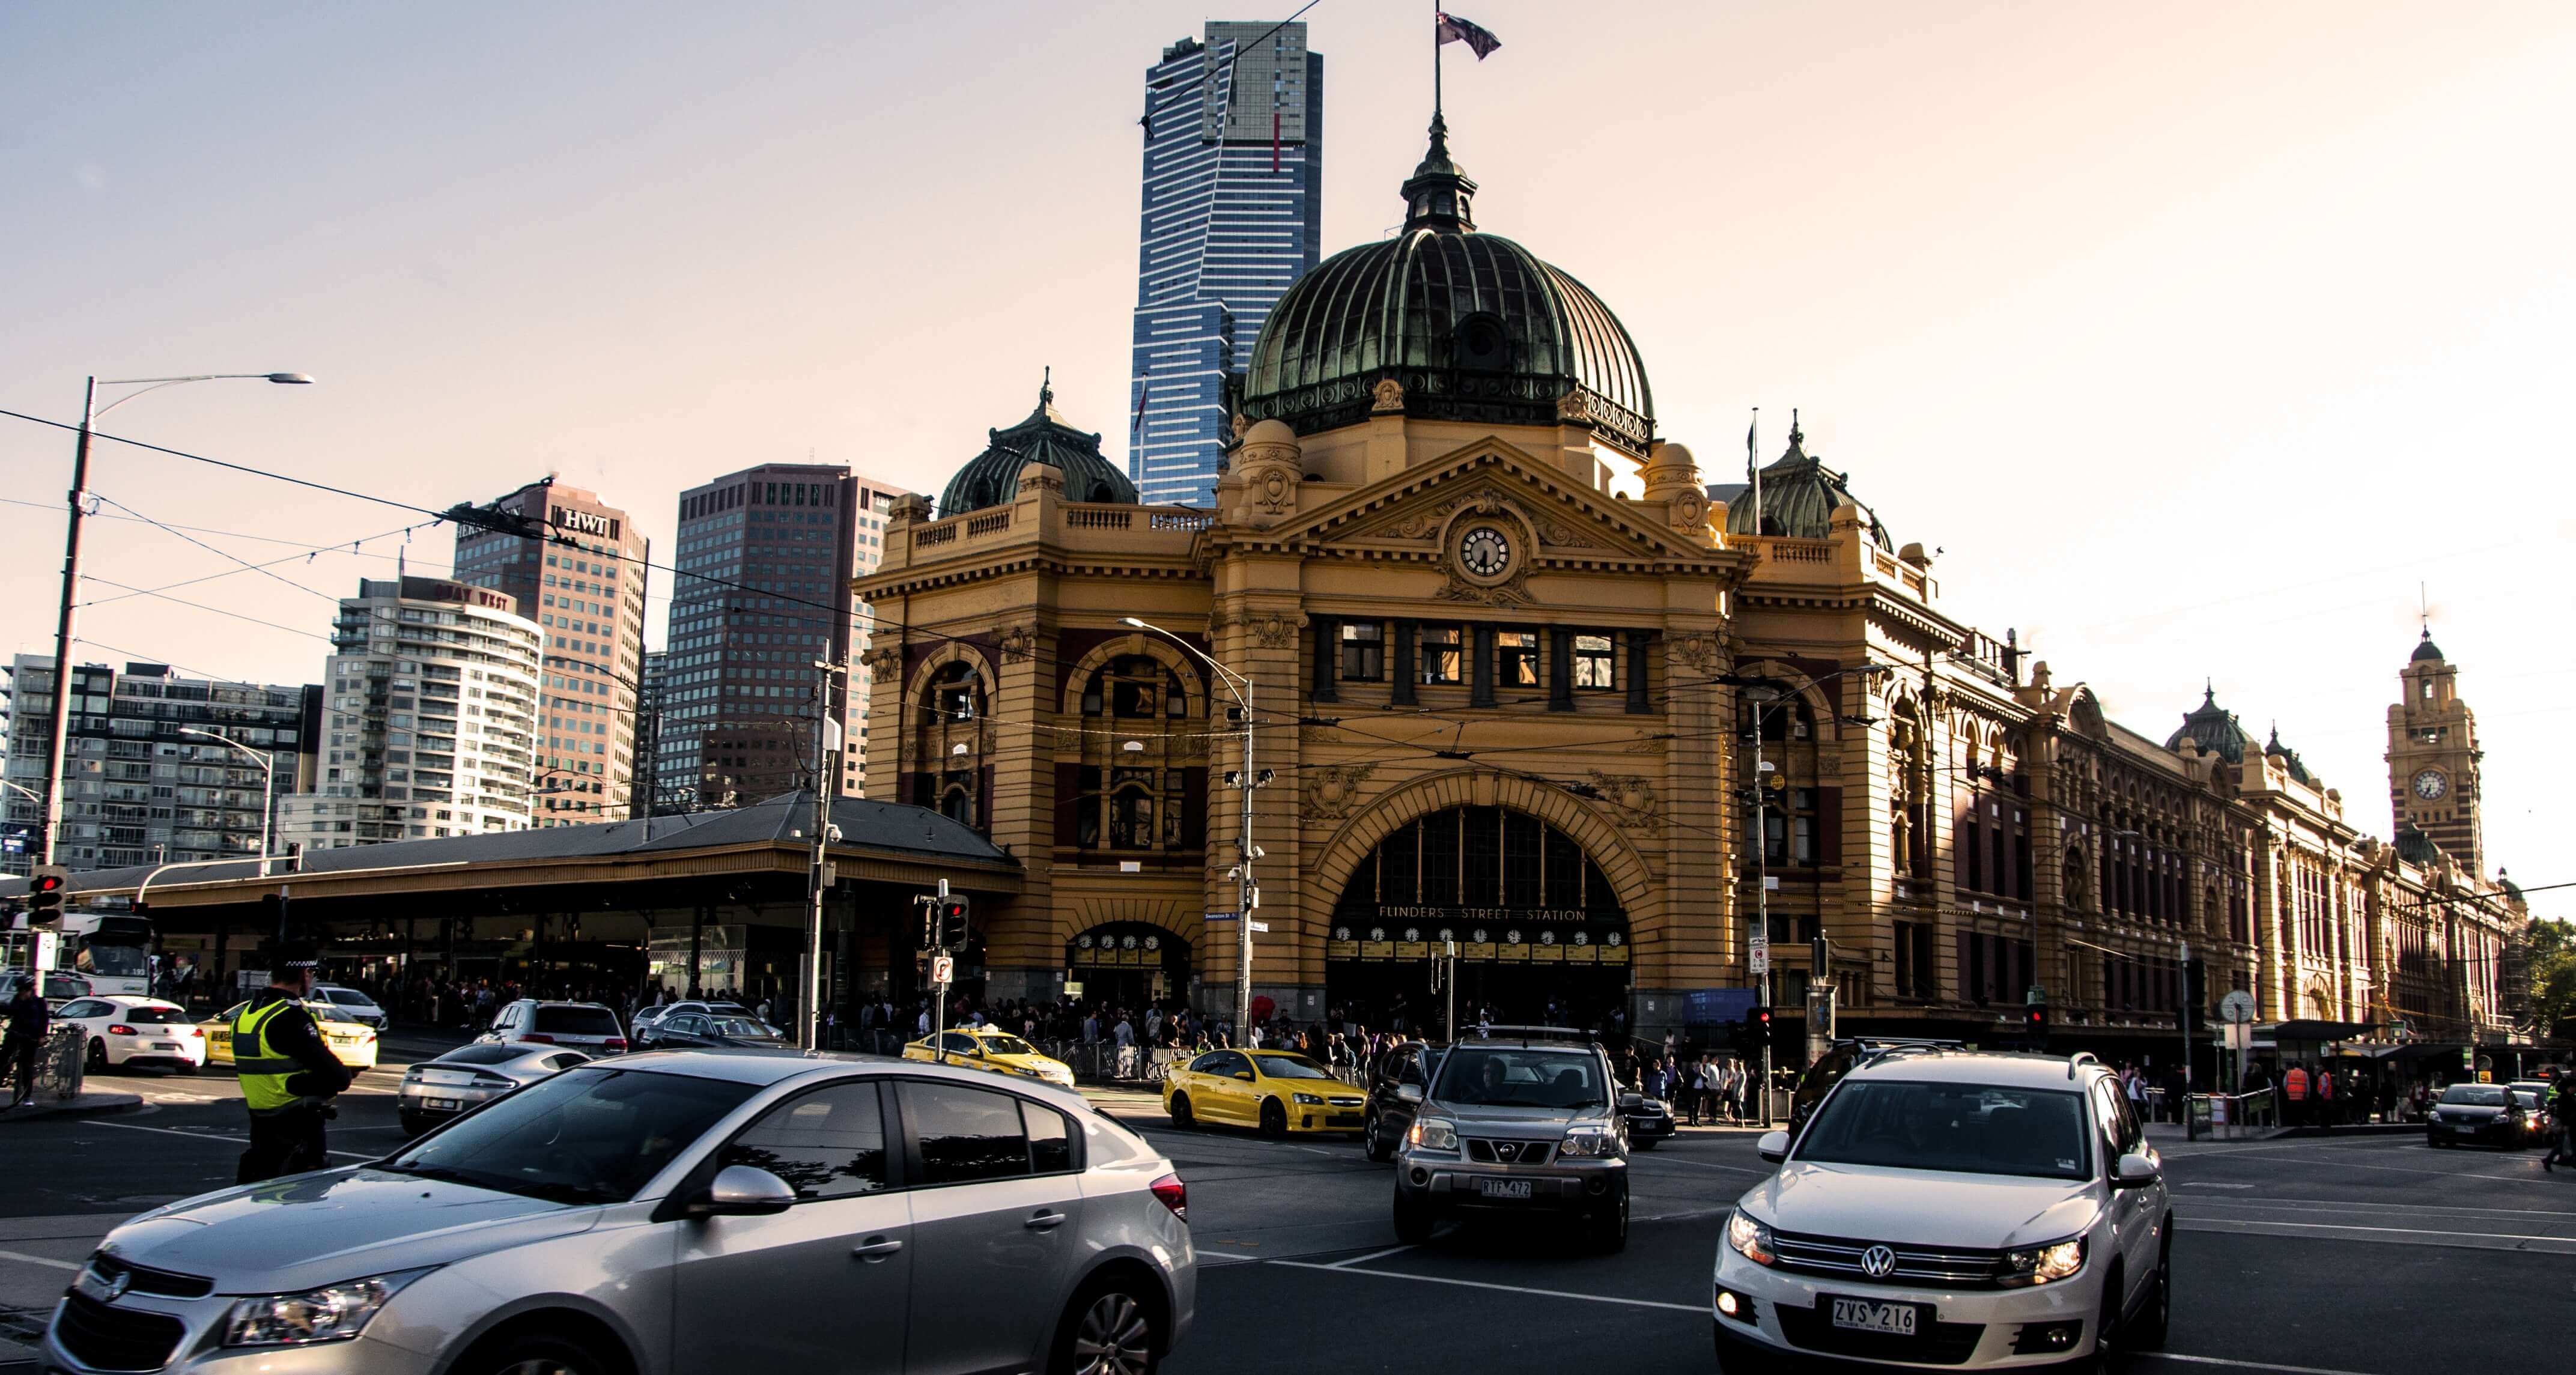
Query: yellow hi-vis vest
263	1072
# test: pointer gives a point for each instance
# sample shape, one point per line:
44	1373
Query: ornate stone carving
1017	642
1560	536
1699	651
1333	791
1687	511
1269	630
1387	398
1632	799
884	660
1573	408
1242	423
1511	591
1319	735
1648	745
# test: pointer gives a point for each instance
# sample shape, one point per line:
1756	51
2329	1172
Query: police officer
288	1076
2562	1123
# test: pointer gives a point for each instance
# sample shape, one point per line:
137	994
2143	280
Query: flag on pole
1456	30
1144	388
1753	465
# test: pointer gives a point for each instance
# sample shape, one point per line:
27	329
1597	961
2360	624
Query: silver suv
676	1212
1516	1121
1951	1208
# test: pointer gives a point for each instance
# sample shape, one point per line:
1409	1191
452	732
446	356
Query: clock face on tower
1484	552
2430	785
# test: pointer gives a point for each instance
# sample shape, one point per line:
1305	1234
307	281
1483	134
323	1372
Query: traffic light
2035	1021
2195	995
46	889
1757	1029
951	923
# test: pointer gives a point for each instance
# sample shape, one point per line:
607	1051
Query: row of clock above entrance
1497	664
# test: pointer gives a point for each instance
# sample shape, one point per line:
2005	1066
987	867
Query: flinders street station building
1516	676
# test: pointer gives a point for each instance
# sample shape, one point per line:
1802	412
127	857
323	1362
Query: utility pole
52	819
1759	951
1247	893
818	878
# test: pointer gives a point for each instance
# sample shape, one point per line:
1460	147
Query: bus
113	950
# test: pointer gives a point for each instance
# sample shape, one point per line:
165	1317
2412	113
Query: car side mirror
2136	1170
1243	1074
1408	1093
745	1191
1773	1147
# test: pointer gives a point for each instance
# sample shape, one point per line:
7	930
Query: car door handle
875	1249
1044	1222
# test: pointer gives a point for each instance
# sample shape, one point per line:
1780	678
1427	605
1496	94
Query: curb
86	1105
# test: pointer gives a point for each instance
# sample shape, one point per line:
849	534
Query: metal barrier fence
59	1067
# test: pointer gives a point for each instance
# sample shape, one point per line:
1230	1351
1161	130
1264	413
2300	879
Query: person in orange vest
2294	1090
2325	1098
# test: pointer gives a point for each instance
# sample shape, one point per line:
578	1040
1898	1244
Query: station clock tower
2433	756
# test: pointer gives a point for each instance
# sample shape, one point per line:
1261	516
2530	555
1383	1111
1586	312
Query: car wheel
532	1353
1607	1230
97	1055
2107	1333
1413	1220
2156	1318
2434	1141
1373	1142
1109	1329
1274	1118
1182	1120
188	1067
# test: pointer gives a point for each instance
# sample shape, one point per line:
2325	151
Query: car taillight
196	1031
539	1039
1173	1194
614	1043
120	1029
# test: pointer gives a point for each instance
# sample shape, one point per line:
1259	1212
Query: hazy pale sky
2196	335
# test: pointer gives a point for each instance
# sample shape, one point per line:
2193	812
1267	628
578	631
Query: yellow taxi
352	1043
1278	1091
993	1050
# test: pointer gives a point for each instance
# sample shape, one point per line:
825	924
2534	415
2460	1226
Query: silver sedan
470	1076
669	1214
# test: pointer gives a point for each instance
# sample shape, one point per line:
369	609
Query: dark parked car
1649	1120
704	1031
2476	1114
1395	1090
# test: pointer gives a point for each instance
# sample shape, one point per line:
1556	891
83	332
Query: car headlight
1309	1100
1432	1134
1750	1239
332	1313
2044	1264
1590	1143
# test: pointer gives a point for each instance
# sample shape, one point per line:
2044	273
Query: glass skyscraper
1234	130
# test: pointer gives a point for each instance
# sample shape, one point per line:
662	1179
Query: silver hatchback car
668	1214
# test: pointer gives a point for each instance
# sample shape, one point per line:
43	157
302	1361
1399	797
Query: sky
2201	339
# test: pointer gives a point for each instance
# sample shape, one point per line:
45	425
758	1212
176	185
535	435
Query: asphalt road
2372	1256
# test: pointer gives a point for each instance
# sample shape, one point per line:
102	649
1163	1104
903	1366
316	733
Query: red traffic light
45	885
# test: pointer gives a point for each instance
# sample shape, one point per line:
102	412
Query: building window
1914	969
1440	657
1595	665
1516	658
1363	652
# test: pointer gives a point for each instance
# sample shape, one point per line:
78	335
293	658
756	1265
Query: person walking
2325	1099
288	1076
2562	1117
2294	1095
29	1021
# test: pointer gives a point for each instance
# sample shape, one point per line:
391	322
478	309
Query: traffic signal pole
52	819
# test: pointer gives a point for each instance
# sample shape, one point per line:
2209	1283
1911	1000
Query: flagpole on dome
1436	43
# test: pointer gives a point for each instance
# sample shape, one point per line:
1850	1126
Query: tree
2553	979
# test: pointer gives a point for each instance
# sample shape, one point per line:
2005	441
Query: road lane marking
2392	1236
2384	1207
218	1136
2241	1365
23	1257
1373	1255
2385	1169
1703	1164
1694	1308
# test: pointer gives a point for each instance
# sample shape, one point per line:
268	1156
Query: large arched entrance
1540	934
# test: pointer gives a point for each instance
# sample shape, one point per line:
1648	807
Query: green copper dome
992	478
1799	498
2214	728
1472	326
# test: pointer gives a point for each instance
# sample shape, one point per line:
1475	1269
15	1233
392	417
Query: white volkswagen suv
1953	1209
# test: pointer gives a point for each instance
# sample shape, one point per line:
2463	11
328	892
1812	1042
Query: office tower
584	586
138	786
763	590
1234	128
430	728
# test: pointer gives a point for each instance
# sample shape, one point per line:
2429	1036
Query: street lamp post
818	867
79	496
267	788
1247	894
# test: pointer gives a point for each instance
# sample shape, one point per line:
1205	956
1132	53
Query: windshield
2474	1095
324	1012
112	957
739	1026
63	986
2530	1102
1007	1045
588	1136
1522	1077
348	997
154	1012
1964	1128
577	1021
1290	1067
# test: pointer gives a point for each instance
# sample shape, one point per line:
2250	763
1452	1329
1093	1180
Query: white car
354	1005
128	1031
1952	1208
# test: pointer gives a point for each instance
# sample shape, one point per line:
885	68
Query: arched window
954	694
950	743
1135	687
957	798
1141	781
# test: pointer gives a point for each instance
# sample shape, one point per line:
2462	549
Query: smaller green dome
1799	498
2214	728
992	478
2425	648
